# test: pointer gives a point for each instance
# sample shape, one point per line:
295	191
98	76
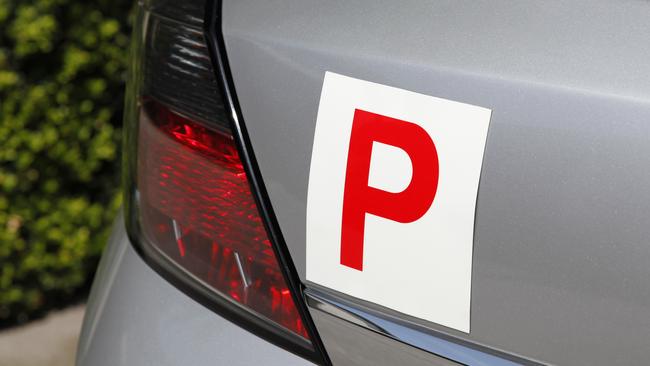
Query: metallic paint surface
326	304
135	317
561	252
350	345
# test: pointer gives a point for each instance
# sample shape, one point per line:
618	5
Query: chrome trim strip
428	342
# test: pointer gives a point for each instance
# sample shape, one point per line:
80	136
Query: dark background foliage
62	70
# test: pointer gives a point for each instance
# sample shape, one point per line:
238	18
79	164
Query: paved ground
50	341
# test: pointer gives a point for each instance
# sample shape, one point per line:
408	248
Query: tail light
190	208
196	207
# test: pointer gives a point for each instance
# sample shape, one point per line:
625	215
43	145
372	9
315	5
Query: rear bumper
135	317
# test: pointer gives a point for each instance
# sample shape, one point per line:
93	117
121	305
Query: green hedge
62	73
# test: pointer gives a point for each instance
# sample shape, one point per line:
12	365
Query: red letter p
359	198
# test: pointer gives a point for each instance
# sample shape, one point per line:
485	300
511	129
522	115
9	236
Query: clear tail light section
190	209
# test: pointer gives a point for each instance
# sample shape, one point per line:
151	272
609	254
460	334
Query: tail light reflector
197	209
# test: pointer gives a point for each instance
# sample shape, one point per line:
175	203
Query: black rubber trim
217	48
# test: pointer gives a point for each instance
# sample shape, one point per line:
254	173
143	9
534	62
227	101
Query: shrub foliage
62	69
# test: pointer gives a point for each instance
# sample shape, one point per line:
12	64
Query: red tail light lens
196	208
192	210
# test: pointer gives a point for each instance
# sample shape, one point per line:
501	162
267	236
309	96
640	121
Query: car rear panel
560	269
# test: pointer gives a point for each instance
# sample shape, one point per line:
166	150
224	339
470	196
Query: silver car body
561	258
